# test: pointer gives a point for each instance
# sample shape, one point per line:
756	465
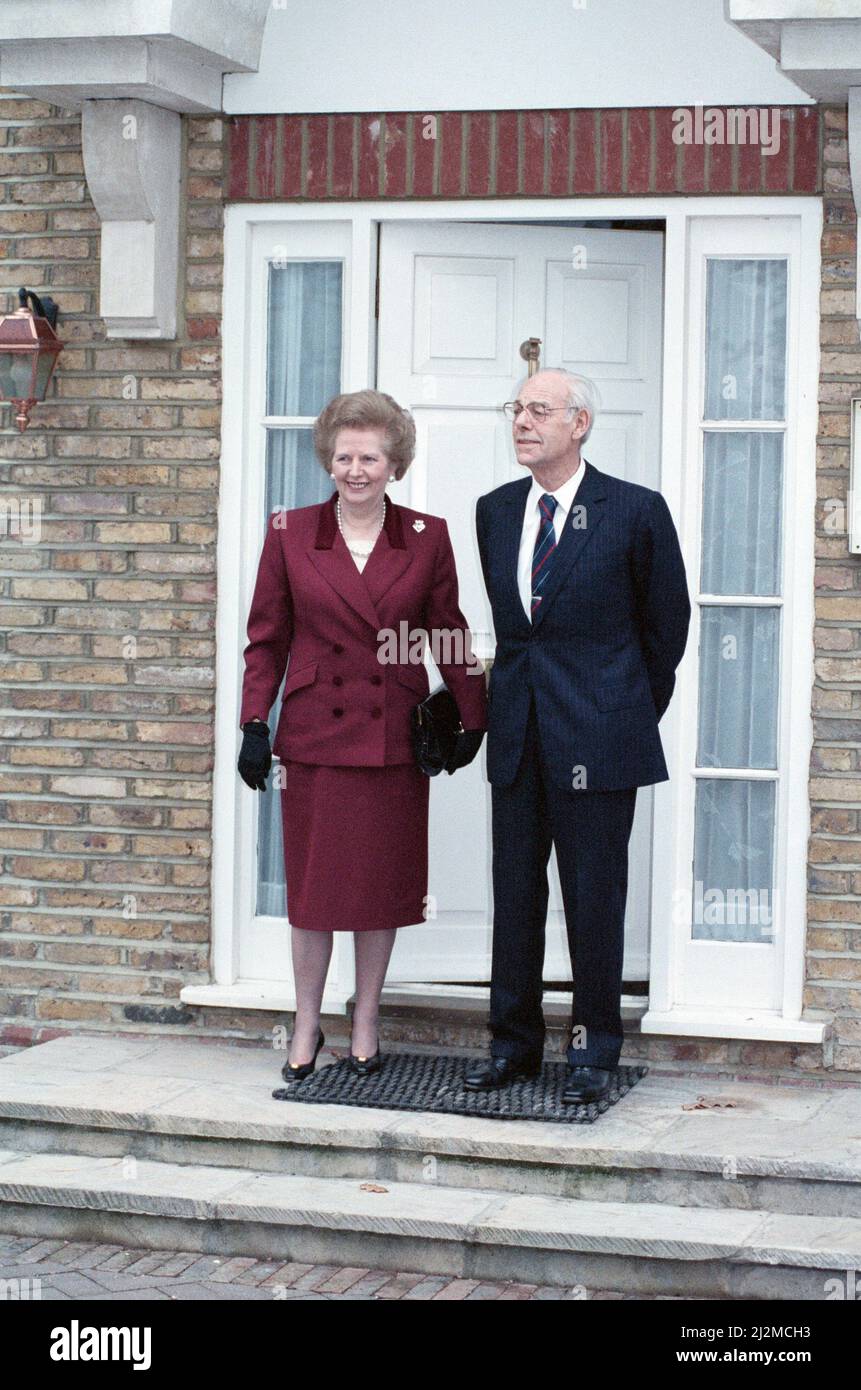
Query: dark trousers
590	831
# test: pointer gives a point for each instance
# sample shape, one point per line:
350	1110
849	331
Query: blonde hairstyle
367	410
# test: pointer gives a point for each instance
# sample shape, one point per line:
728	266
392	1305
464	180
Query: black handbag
435	727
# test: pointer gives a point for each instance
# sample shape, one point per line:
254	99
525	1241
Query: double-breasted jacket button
338	648
337	680
376	712
376	680
337	713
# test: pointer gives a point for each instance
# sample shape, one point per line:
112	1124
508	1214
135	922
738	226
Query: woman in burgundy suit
341	589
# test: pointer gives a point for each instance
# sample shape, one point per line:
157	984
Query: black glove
465	749
255	757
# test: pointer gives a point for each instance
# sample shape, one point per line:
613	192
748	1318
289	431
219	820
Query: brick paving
78	1271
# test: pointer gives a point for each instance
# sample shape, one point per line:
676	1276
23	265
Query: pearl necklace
360	554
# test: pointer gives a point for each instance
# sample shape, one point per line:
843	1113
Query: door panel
463	309
456	302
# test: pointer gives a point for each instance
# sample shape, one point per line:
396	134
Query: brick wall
106	627
833	970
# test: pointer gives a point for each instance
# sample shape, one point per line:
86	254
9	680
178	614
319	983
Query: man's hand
255	757
465	749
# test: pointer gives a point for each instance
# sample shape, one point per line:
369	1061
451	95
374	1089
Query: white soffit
173	53
492	55
816	43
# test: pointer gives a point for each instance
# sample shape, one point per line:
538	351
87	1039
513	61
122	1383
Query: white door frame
664	1015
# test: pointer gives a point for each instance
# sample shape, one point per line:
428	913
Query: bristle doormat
433	1083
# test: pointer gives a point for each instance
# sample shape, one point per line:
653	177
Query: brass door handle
530	351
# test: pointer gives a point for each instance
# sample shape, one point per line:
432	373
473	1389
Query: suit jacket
599	658
341	706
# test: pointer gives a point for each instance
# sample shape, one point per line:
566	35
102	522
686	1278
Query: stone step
775	1149
632	1247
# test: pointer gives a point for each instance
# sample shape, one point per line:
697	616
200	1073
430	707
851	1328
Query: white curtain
742	512
303	373
738	687
746	339
733	898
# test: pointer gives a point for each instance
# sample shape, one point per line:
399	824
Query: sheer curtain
746	339
303	373
742	512
741	558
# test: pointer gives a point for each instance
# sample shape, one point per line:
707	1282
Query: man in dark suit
590	605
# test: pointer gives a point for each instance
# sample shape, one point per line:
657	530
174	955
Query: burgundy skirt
355	846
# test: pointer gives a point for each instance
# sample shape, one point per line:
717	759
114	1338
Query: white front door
456	302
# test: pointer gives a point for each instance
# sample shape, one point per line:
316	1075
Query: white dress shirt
531	522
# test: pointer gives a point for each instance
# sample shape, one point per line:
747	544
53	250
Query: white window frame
726	988
674	1006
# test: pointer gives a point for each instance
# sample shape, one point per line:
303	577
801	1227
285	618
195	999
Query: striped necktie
545	548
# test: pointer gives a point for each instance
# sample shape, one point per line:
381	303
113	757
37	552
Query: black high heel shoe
297	1071
364	1066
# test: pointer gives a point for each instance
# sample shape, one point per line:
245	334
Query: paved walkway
79	1271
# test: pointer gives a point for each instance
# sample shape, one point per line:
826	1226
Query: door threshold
472	998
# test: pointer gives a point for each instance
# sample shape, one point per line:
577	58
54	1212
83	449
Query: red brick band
504	154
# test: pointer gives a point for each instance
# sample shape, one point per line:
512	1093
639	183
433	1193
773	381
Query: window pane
304	343
745	340
742	505
294	478
733	897
303	373
738	687
271	892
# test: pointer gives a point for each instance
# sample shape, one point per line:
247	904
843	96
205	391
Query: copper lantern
29	349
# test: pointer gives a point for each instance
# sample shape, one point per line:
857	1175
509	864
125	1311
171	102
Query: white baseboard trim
273	996
268	995
729	1024
279	997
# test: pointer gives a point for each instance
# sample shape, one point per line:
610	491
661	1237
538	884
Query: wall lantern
29	349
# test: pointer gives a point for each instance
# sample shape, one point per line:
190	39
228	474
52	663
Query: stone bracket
132	160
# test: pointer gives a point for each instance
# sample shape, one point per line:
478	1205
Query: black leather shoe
365	1066
297	1071
586	1083
498	1071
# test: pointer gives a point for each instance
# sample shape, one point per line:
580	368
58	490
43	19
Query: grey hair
582	394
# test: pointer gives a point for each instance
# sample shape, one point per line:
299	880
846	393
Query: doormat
421	1081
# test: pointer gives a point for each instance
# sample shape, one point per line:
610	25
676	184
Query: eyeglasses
539	410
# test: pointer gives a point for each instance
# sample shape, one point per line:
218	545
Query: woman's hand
465	749
255	757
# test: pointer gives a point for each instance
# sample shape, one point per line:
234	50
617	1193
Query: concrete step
425	1227
747	1148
